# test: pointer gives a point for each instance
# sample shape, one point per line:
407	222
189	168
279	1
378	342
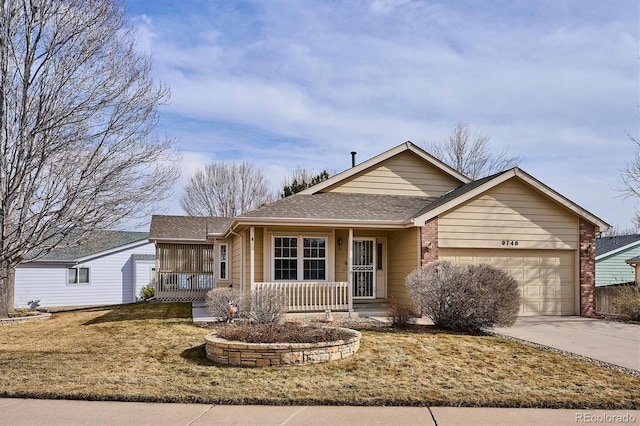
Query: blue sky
301	83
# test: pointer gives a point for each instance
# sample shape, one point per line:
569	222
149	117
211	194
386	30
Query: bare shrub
401	315
625	300
463	297
218	299
266	305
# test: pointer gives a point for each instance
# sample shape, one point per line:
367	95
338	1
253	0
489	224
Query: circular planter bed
25	317
232	352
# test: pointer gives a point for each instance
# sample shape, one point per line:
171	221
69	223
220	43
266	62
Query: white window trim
226	262
77	267
300	257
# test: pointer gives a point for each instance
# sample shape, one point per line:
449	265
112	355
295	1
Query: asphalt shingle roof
606	244
341	206
96	242
186	227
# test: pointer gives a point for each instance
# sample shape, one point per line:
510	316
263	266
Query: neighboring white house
109	268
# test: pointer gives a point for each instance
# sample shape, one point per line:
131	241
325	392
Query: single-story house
109	267
354	238
612	254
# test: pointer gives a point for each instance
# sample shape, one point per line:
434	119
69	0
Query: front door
364	268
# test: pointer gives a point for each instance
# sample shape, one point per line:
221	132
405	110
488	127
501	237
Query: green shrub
625	300
401	315
465	297
147	292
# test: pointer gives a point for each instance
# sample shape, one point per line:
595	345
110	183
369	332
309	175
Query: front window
78	275
223	262
286	258
305	254
314	265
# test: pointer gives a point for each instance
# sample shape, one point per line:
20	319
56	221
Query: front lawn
153	352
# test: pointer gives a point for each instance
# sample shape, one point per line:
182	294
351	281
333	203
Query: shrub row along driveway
613	342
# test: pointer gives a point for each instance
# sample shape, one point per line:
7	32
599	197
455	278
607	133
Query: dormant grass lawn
153	352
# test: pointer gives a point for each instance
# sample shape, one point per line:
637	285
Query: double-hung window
300	258
78	275
223	265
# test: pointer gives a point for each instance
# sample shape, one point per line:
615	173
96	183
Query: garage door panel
546	277
531	290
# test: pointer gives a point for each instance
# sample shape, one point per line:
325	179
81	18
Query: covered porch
318	268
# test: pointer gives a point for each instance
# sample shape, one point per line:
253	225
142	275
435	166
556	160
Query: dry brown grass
153	352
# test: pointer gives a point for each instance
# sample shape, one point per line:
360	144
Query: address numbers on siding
509	242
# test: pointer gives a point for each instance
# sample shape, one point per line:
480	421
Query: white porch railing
174	286
313	296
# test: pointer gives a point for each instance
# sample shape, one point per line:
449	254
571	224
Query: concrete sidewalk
20	412
609	341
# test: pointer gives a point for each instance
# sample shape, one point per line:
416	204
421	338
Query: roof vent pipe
353	158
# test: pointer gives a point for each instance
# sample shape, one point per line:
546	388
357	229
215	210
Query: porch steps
370	308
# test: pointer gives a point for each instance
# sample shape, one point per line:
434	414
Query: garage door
546	277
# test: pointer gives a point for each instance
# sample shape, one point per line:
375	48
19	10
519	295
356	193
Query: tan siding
512	211
236	262
403	174
259	254
341	255
546	277
402	252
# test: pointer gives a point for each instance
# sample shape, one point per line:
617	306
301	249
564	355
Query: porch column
350	269
252	254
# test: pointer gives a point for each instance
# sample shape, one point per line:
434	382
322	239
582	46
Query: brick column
429	234
587	259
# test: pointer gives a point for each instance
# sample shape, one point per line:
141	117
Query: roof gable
403	170
473	189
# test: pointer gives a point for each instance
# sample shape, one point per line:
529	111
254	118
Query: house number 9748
509	243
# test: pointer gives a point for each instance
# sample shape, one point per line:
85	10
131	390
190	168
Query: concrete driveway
613	342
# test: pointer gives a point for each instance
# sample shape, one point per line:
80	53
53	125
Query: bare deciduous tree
226	190
469	153
630	177
77	119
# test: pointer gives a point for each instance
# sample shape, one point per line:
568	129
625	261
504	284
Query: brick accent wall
429	234
587	259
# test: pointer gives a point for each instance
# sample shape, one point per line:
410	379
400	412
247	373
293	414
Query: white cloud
288	84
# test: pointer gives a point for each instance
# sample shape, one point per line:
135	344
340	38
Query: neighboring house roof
607	246
633	260
186	228
95	242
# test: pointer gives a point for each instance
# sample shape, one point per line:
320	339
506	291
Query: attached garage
547	277
513	222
